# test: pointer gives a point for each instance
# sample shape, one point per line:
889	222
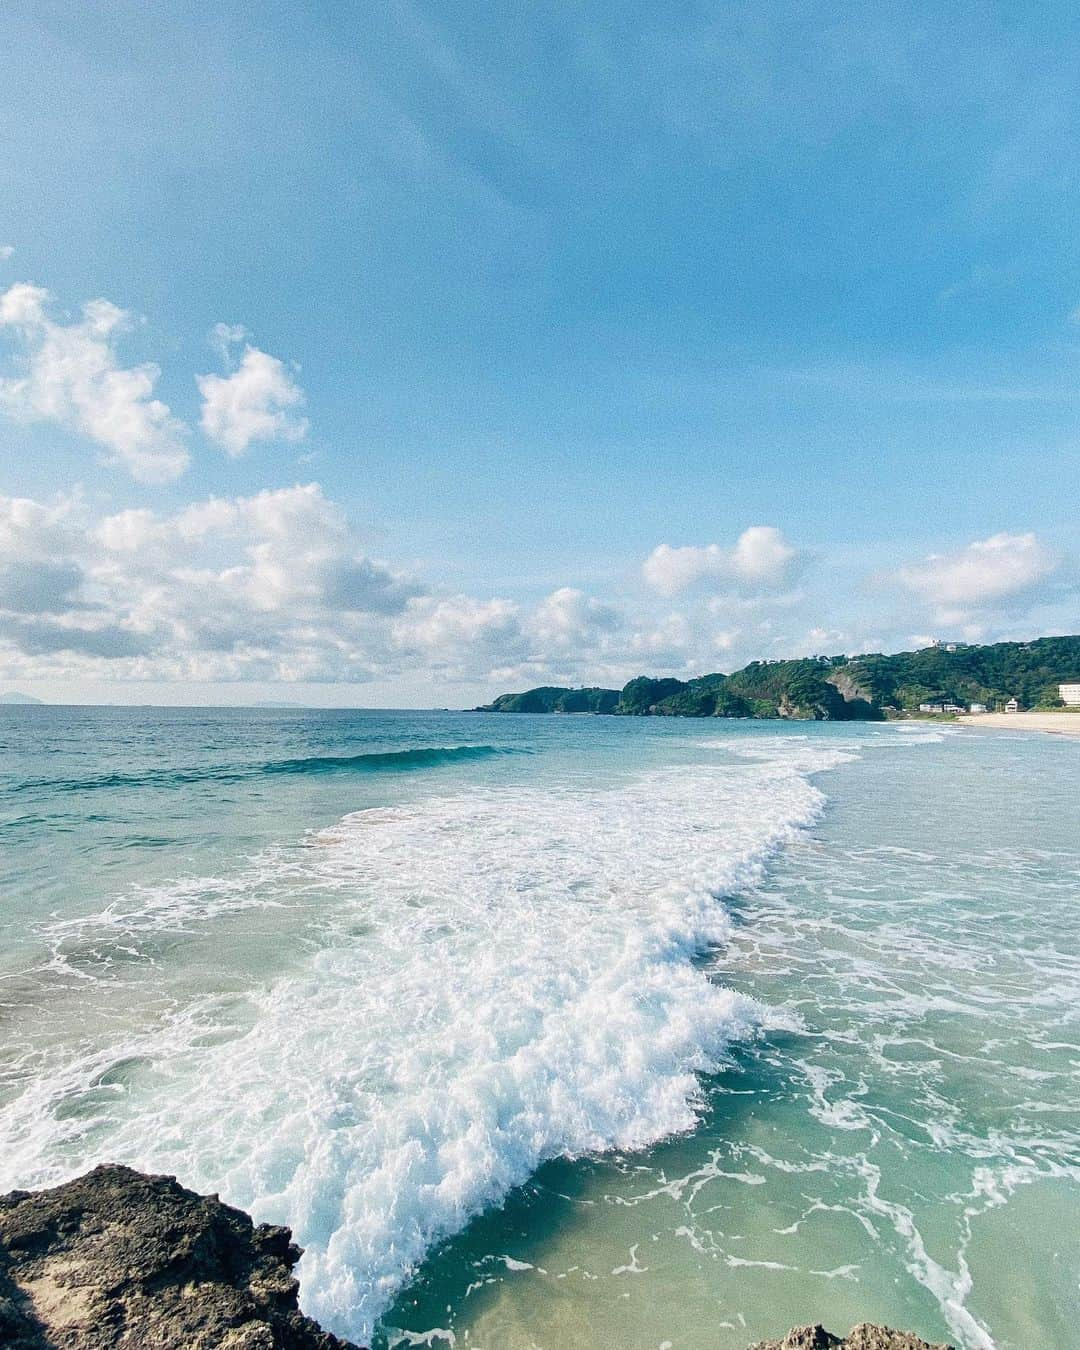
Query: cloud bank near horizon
276	586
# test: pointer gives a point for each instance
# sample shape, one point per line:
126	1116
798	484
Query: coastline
1057	723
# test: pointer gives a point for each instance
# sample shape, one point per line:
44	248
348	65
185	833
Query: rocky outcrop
119	1259
863	1337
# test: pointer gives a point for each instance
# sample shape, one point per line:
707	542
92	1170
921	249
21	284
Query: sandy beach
1060	723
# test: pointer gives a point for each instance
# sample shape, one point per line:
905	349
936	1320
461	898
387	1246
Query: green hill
835	688
1027	671
550	699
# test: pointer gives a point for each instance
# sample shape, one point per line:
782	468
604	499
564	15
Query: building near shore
1069	695
977	707
1013	705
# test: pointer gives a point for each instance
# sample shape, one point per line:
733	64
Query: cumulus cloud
38	532
459	636
569	619
276	586
258	401
273	584
224	336
46	637
665	645
999	571
71	376
33	587
761	561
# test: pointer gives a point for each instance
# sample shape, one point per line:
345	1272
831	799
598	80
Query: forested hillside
834	688
549	699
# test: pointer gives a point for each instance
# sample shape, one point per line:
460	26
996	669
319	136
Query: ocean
555	1032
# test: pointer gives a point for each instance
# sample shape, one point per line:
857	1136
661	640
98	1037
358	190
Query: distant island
22	700
943	678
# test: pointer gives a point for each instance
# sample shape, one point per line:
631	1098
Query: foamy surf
501	977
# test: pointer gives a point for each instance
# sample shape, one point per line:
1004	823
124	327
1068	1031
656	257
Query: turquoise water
564	1031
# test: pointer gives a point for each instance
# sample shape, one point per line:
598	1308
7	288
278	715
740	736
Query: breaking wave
420	757
501	976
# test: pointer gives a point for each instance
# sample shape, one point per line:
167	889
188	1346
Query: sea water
564	1031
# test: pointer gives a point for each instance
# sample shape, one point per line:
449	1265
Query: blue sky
529	292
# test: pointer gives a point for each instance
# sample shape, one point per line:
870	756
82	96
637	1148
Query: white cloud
277	586
664	645
461	637
987	572
224	336
257	402
568	619
38	532
273	584
72	377
6	251
762	561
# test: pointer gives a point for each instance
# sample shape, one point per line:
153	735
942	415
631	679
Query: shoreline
1055	723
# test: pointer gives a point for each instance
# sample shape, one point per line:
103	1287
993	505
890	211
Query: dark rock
120	1259
863	1337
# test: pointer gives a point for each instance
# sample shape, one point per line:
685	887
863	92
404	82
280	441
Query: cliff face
119	1259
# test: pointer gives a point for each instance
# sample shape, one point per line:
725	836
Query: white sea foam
926	733
782	754
504	976
171	907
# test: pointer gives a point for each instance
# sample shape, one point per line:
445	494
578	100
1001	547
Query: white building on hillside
1012	705
1069	695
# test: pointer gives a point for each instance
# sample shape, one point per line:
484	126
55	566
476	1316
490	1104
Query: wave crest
417	757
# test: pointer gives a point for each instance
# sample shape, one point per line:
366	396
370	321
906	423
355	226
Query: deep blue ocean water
564	1031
